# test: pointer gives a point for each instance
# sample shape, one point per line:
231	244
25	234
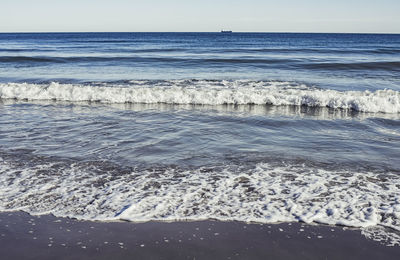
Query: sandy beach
23	236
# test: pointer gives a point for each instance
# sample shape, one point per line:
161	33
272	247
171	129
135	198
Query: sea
250	127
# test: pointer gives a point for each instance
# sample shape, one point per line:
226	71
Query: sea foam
208	93
264	193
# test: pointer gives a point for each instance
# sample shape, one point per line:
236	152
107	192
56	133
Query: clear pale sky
381	16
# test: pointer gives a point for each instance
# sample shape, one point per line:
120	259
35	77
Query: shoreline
23	236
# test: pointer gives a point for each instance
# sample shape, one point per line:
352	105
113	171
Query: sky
359	16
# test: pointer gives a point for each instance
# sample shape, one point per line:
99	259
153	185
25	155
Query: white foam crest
263	194
209	93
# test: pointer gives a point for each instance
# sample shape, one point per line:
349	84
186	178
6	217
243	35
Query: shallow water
249	127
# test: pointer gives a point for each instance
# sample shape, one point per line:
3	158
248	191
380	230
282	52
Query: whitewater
208	93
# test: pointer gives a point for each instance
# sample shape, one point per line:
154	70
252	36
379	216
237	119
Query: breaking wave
207	92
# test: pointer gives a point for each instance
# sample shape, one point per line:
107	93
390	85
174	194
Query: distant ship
222	31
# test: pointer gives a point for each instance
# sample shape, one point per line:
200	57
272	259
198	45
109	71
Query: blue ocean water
264	127
339	61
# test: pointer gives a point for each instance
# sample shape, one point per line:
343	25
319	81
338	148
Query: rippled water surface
188	126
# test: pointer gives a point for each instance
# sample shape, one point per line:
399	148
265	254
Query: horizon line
288	32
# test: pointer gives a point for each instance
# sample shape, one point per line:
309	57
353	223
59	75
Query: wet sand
23	236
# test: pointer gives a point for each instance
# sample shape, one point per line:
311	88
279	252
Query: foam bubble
263	193
208	93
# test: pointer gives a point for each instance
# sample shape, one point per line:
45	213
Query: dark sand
29	237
